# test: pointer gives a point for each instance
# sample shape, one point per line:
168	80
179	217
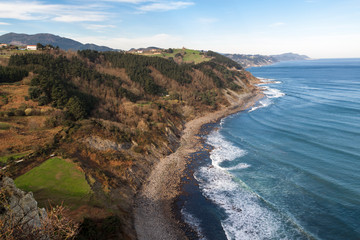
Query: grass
15	156
58	180
4	126
189	55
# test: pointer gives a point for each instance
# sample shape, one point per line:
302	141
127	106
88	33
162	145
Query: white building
31	47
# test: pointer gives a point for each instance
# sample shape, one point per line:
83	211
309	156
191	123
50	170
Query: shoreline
153	212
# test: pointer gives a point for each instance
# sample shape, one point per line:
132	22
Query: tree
75	107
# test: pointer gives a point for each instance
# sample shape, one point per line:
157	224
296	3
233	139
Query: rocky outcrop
18	207
101	144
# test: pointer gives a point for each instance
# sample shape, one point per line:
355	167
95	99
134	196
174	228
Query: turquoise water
288	168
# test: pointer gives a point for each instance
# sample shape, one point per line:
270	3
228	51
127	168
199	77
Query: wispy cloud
4	23
22	10
98	27
164	6
89	17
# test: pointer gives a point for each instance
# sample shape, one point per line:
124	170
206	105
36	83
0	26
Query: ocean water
289	167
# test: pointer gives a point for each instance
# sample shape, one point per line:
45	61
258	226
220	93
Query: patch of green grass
58	180
189	55
15	156
4	126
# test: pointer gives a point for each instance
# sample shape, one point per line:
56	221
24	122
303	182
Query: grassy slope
189	56
57	179
15	156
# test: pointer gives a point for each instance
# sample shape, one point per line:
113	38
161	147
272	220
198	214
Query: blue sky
318	28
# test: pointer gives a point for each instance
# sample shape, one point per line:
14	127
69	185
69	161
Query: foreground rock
19	207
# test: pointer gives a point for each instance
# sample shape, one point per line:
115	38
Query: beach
154	217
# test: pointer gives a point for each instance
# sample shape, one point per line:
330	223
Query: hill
261	60
46	38
103	120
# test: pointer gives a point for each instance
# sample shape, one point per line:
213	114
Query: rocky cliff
19	209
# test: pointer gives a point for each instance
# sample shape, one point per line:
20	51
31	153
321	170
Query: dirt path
153	216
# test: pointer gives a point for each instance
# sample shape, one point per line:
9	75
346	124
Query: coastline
154	217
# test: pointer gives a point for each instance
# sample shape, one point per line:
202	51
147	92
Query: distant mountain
261	60
46	38
290	57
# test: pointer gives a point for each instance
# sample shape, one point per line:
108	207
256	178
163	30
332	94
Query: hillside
261	60
100	121
45	39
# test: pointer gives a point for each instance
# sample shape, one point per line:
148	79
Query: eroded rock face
104	144
19	206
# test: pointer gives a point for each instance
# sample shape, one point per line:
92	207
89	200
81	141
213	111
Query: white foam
262	103
246	217
193	222
272	92
267	83
265	79
269	92
239	166
223	150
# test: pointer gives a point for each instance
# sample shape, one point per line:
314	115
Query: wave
223	151
247	215
272	92
245	218
261	104
193	222
269	92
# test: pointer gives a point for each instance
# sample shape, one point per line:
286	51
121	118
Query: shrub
19	112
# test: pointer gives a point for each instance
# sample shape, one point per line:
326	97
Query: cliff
100	122
263	60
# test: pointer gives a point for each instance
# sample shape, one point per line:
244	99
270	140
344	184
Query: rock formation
18	207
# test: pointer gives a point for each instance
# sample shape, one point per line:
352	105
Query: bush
19	112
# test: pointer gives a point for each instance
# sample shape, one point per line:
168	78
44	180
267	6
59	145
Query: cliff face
262	60
114	116
18	207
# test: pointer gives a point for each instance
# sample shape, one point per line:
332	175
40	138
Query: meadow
58	179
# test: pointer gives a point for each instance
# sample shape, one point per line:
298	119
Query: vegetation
12	74
113	113
56	226
14	156
137	67
56	177
4	126
186	55
223	60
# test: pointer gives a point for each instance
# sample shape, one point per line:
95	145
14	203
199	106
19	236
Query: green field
15	156
58	180
189	56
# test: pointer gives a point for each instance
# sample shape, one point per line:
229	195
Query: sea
289	166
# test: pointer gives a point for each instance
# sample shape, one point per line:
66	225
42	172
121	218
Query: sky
317	28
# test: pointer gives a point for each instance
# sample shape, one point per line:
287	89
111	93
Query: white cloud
90	17
164	6
4	23
39	11
98	27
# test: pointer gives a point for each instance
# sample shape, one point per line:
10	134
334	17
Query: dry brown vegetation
147	129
